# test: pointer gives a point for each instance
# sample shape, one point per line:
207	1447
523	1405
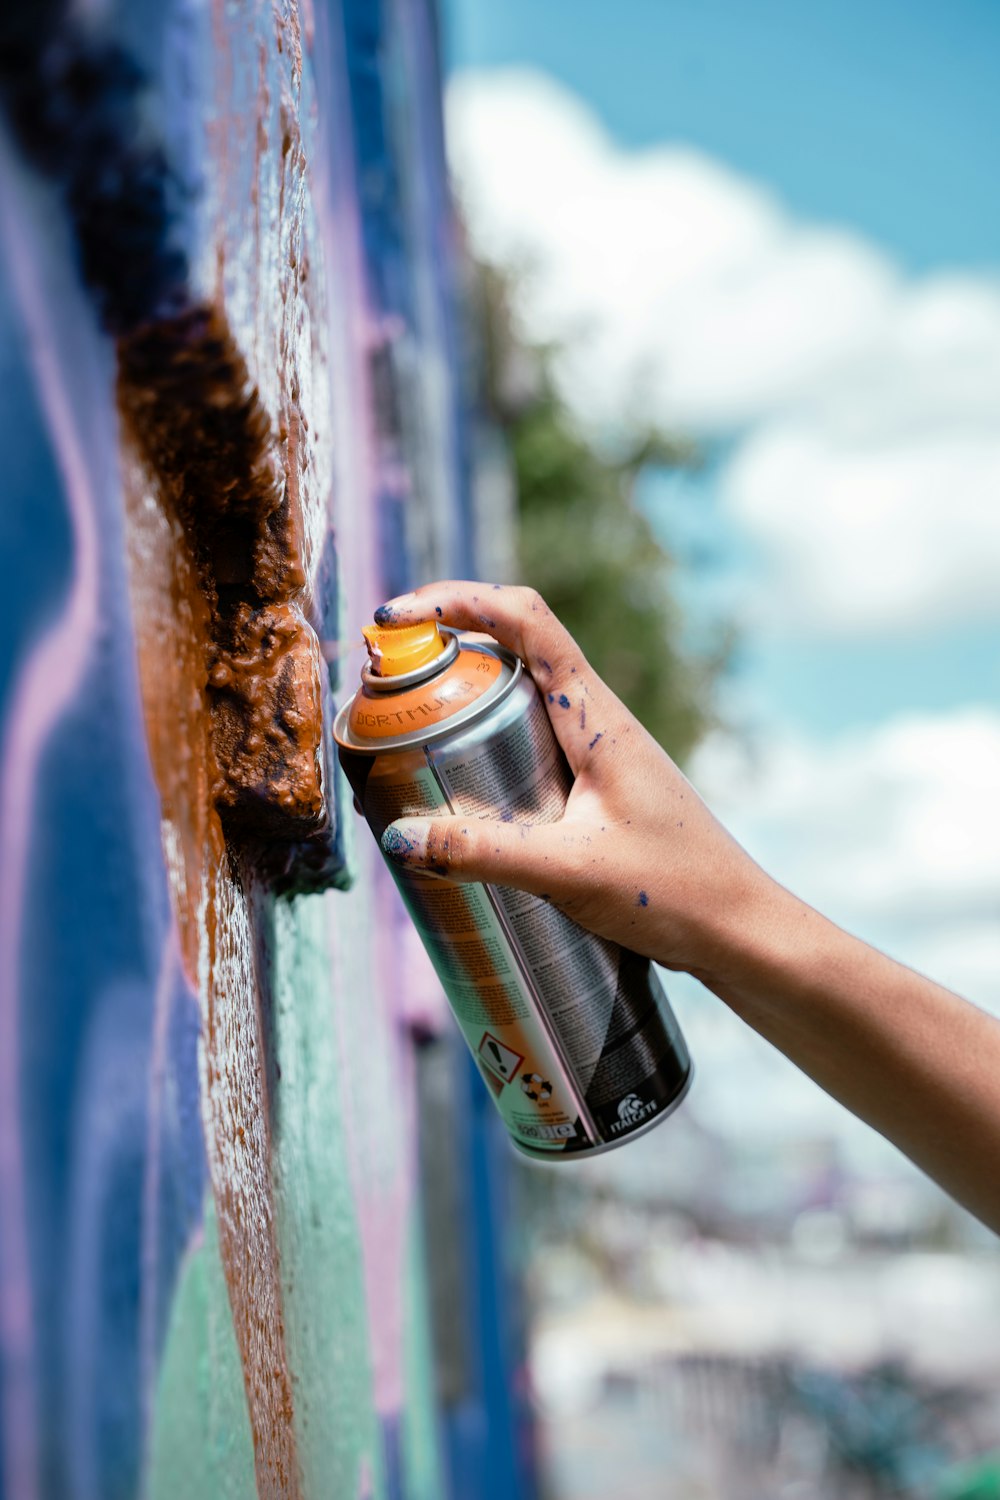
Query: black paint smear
74	98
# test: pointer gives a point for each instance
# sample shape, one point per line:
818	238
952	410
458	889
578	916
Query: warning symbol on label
500	1060
534	1086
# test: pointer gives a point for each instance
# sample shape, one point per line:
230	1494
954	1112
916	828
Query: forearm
919	1064
639	859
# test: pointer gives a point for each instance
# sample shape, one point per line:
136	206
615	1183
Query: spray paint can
572	1034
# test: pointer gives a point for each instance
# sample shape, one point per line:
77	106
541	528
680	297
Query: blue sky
883	118
778	226
882	115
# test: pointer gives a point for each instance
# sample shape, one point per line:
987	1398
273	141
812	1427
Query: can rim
493	695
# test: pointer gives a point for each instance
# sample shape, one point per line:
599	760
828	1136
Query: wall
237	1145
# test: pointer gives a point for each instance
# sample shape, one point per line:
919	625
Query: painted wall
252	1203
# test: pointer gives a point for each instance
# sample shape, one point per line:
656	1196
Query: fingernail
387	613
405	842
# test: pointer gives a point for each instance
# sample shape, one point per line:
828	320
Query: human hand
637	856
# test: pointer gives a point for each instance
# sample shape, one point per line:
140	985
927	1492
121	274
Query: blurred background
735	272
697	329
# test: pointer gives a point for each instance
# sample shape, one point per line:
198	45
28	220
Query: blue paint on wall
110	1117
95	931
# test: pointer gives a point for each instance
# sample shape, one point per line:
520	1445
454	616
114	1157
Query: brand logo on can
631	1110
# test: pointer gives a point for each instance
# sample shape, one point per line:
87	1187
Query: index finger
579	703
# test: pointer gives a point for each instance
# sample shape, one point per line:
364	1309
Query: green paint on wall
202	1447
321	1254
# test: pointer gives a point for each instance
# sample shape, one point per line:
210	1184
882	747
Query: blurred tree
582	542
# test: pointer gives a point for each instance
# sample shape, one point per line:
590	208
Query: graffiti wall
251	1205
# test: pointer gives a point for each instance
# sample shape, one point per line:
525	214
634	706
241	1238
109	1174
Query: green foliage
583	543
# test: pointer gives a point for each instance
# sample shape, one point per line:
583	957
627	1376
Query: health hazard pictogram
501	1061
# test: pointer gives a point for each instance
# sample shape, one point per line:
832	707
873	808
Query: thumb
518	854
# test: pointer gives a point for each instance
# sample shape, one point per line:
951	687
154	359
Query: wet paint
225	1293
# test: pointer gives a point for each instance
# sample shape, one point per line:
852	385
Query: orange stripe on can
376	716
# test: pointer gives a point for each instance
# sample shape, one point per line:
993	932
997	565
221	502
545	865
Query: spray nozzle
395	649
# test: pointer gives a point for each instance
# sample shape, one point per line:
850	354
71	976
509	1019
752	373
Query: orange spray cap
395	649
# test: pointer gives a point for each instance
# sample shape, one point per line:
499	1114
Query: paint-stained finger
525	855
582	708
517	617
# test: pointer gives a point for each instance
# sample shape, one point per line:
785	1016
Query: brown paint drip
217	900
227	484
251	734
266	706
236	1095
173	631
191	409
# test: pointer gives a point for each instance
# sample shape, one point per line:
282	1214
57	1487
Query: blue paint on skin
485	620
597	736
552	697
583	717
437	610
385	615
543	663
395	844
563	701
643	899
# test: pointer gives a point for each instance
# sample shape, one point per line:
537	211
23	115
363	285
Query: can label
427	703
570	1032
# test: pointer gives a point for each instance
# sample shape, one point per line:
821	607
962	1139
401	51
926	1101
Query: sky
776	228
881	116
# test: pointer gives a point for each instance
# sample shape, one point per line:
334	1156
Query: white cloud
865	402
893	831
873	534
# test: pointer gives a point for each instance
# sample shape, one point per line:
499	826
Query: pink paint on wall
47	682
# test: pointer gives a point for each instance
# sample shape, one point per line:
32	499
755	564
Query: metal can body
572	1034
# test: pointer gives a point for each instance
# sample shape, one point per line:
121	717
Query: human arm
639	858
